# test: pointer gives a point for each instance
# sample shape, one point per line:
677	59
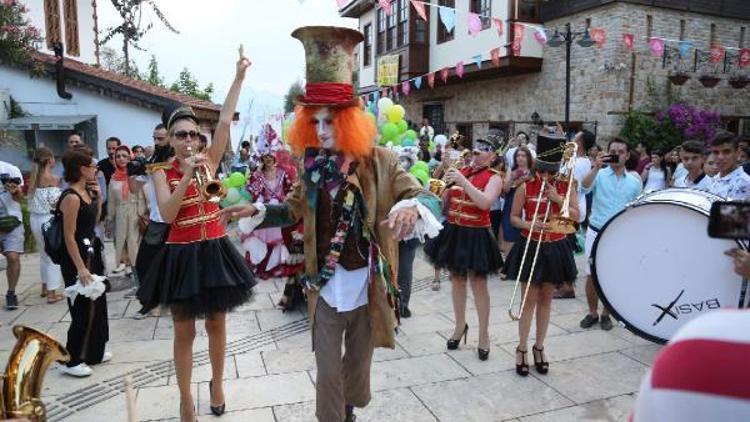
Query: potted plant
679	78
709	81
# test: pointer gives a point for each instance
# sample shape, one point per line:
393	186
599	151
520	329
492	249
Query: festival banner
419	7
385	5
406	87
418	82
518	31
431	79
657	46
444	74
629	41
745	57
717	54
388	70
685	47
448	17
499	26
478	61
460	69
540	36
599	35
495	56
474	23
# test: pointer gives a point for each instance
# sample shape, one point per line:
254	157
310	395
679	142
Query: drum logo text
674	310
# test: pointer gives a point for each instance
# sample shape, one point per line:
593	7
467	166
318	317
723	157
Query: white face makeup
324	127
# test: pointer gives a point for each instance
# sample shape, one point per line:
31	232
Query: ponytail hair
42	157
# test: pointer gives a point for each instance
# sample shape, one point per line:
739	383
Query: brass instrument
32	355
562	223
211	189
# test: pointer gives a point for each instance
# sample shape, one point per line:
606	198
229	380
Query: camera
611	158
137	167
5	179
729	220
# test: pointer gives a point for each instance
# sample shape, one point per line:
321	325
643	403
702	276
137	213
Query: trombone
558	224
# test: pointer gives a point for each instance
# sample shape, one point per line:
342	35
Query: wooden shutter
52	22
72	44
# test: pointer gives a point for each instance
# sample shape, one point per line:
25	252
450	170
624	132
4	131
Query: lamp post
567	38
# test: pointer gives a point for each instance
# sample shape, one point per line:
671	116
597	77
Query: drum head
655	268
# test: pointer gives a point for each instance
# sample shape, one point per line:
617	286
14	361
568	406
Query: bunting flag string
474	23
448	17
460	69
419	7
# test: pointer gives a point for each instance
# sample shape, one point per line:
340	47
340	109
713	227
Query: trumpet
211	189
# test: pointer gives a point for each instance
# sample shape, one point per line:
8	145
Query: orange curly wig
354	131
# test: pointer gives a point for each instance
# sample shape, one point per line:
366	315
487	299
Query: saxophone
32	355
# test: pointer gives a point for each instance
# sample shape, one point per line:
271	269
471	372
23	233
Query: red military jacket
197	219
533	187
461	209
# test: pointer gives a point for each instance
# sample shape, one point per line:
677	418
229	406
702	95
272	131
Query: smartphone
729	220
611	158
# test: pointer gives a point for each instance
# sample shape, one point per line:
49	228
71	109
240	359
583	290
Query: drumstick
130	400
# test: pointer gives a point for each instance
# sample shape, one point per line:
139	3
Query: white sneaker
106	357
120	268
79	371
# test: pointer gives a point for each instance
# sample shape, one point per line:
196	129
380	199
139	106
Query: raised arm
221	135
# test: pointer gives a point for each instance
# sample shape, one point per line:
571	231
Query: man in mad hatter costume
356	202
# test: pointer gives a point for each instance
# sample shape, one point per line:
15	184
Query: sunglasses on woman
183	134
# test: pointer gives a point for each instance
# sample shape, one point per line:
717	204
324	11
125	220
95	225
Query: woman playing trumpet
466	245
548	259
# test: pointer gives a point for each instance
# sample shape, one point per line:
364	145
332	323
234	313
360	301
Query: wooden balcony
737	9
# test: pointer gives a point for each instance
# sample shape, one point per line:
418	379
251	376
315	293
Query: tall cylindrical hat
329	56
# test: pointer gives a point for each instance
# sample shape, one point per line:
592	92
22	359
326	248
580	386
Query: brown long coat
383	182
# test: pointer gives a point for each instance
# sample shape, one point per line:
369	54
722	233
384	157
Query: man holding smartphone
613	188
11	227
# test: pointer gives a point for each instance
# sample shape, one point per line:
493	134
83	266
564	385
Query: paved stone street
270	370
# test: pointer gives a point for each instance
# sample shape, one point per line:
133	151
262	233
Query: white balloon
384	104
440	139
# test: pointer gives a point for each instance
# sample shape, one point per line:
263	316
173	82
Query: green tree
131	29
112	60
294	91
152	73
188	85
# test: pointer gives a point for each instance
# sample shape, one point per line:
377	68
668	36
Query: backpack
52	232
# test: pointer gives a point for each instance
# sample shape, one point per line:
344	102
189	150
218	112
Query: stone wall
598	94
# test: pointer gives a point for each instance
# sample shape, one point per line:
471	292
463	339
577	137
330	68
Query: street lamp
557	40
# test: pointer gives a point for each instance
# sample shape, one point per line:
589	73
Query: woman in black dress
80	205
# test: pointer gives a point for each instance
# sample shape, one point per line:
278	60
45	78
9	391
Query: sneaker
79	371
106	357
588	321
606	323
130	294
11	301
120	268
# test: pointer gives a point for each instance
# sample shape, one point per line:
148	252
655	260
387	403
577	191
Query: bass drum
655	268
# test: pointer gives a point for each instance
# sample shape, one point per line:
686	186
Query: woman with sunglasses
124	206
466	245
555	263
198	273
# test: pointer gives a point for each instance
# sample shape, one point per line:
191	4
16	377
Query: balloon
245	195
397	141
389	130
384	104
407	142
440	139
233	196
396	113
402	126
421	175
432	146
420	165
237	180
411	134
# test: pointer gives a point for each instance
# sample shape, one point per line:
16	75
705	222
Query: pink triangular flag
431	79
474	23
657	46
599	35
342	3
717	54
499	26
444	74
629	40
495	56
460	69
419	7
406	87
385	5
540	36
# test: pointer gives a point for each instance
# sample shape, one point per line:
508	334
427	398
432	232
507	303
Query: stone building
529	86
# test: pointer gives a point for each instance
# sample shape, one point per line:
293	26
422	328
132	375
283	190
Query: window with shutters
52	22
72	46
367	48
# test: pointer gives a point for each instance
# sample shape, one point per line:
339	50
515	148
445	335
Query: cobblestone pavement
270	370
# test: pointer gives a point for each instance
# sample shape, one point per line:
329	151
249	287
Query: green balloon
422	176
411	134
233	196
389	131
420	165
236	180
402	126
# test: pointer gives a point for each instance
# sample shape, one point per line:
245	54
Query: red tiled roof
129	83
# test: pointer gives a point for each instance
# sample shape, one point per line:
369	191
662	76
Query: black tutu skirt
554	265
463	250
196	279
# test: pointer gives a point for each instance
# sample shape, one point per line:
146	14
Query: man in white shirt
12	232
693	156
426	129
731	183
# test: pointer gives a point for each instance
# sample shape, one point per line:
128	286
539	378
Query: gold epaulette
154	167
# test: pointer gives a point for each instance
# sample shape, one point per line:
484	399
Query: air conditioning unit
4	106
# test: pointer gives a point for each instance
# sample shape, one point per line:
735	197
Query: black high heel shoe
523	368
483	354
453	344
216	410
541	366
